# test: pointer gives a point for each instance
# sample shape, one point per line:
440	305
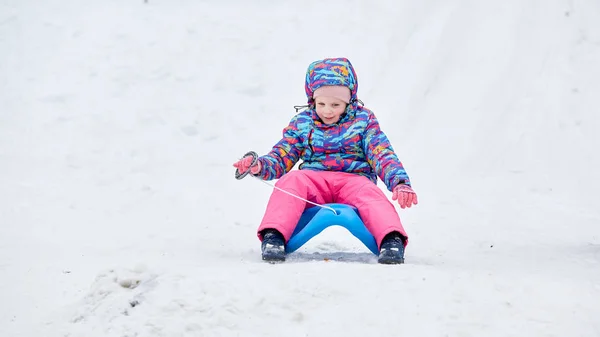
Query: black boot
273	246
392	249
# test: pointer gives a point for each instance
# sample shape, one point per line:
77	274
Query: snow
120	214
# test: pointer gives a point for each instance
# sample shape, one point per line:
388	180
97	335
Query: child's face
329	109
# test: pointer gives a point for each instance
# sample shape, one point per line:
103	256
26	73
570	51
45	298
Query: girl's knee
370	191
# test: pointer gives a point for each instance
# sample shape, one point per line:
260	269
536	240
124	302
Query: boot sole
390	261
390	257
273	258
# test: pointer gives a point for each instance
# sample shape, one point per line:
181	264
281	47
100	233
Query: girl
343	151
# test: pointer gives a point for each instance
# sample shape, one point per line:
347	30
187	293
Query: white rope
295	196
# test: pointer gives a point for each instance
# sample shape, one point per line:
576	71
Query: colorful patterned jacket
355	144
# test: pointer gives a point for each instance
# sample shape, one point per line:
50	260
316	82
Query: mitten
249	163
405	195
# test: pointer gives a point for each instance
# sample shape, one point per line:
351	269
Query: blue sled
315	219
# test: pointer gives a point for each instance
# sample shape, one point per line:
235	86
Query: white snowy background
120	120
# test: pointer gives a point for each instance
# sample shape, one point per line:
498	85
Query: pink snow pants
283	211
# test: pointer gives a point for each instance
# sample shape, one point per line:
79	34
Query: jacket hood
331	71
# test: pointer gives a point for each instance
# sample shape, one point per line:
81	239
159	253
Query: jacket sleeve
284	155
381	156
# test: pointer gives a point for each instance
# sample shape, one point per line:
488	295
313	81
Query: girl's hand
245	164
405	195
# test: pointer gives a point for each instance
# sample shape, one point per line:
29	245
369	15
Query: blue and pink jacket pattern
355	144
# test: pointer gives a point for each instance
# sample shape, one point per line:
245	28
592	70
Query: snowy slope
120	215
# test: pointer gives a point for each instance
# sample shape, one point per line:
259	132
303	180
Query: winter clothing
273	246
392	249
340	163
331	71
244	164
355	144
337	91
283	211
405	195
